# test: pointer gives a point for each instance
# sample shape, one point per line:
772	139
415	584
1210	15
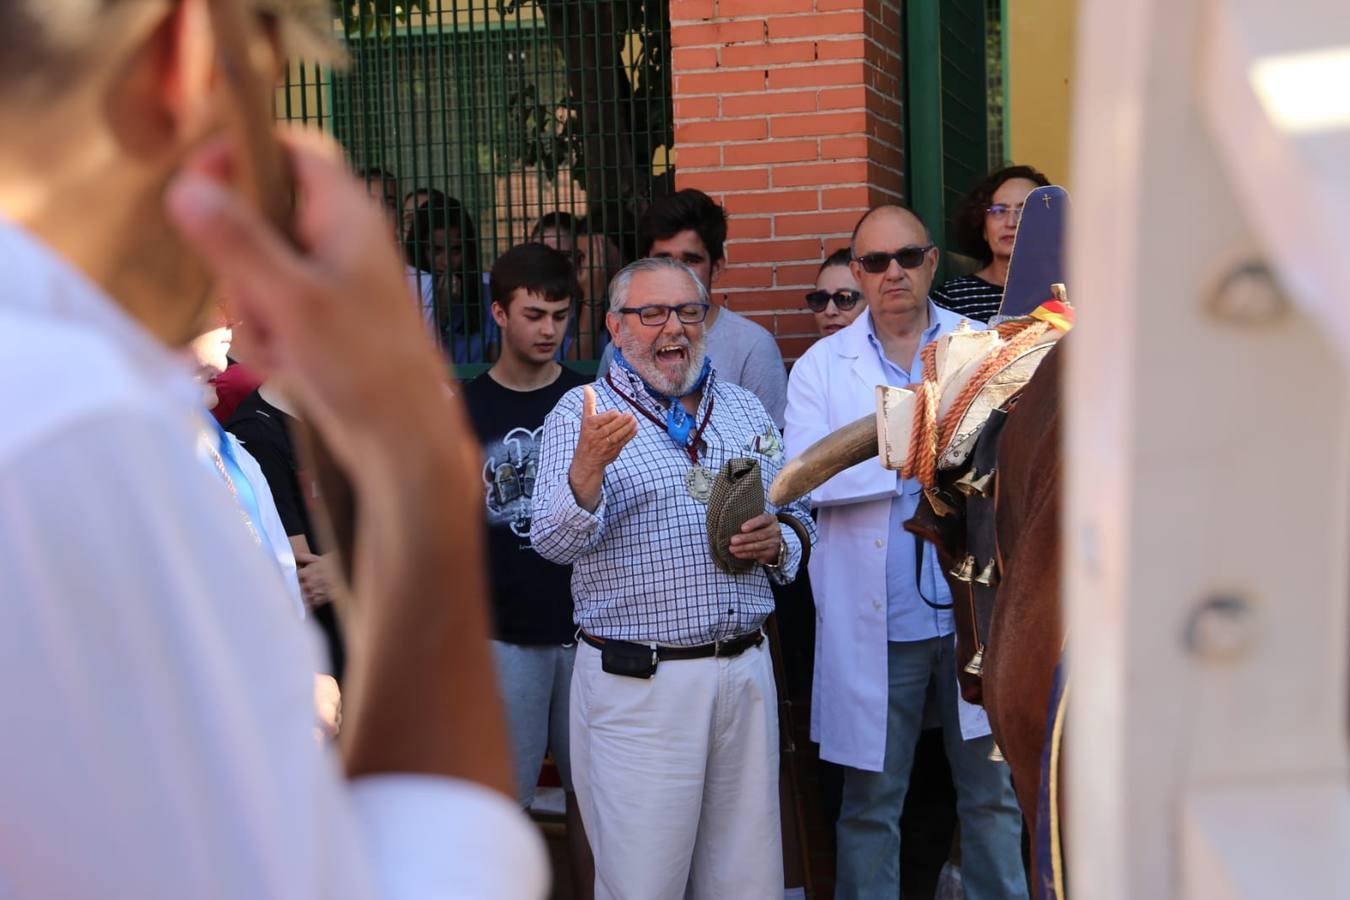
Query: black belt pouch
627	659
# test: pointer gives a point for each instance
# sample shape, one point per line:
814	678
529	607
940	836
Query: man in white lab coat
884	625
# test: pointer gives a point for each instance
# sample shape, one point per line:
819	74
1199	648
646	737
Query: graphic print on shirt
508	479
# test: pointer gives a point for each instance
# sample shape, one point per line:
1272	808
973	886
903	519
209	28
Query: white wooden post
1207	525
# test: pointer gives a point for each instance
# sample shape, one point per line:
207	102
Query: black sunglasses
907	257
843	299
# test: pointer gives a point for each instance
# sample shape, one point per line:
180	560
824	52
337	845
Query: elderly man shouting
674	718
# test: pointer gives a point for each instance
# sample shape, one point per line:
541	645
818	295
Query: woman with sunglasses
986	224
837	299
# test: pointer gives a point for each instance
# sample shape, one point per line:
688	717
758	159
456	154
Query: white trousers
677	778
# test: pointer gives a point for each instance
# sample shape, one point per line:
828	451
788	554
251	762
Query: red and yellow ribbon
1056	313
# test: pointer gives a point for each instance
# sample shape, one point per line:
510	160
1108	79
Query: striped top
969	296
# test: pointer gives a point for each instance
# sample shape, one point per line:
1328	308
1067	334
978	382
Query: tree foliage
612	115
367	17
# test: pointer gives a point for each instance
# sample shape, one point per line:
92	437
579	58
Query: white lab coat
834	384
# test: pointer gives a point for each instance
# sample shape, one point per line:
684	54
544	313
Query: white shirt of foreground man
156	691
160	703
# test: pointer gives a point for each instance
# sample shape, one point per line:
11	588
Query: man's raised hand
331	317
602	438
603	435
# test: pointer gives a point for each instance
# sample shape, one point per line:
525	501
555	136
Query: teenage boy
534	292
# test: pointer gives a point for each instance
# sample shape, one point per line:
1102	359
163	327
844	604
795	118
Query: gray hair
619	286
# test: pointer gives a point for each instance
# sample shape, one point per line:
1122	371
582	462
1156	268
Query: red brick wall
787	112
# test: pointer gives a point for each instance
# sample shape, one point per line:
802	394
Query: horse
994	520
1025	626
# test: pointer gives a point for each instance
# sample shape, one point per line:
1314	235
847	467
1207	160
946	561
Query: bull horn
854	443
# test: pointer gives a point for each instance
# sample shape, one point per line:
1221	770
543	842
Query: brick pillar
788	113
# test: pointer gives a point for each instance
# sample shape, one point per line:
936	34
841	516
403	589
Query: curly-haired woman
986	223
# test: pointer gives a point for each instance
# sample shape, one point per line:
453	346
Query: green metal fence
996	70
955	100
486	123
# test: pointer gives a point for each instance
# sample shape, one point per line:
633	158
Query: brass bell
988	576
976	665
996	755
965	571
972	485
939	503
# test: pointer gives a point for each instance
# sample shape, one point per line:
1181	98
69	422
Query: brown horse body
1026	628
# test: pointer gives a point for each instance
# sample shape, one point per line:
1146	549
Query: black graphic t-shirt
532	597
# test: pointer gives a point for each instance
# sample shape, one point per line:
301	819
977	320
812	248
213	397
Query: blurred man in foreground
162	683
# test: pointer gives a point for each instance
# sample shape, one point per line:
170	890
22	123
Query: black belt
730	647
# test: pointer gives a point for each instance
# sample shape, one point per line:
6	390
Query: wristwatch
782	556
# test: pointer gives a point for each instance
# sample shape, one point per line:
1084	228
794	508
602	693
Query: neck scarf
678	422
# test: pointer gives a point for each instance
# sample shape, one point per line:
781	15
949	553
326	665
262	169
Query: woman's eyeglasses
999	210
843	300
907	257
687	313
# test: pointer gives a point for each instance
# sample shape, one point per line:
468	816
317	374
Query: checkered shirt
641	566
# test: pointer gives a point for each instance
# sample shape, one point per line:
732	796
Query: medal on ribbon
677	423
699	482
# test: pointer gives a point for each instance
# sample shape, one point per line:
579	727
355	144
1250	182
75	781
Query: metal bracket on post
1206	599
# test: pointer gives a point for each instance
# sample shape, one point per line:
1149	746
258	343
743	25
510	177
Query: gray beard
642	362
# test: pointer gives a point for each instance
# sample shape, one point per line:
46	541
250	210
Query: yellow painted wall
1040	36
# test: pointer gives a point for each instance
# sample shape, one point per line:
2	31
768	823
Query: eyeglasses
687	313
907	257
999	210
844	300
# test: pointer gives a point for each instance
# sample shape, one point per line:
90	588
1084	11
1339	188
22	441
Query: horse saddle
960	357
957	514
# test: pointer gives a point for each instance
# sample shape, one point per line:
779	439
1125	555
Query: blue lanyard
248	500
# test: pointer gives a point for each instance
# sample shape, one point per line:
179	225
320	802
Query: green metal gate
479	120
955	125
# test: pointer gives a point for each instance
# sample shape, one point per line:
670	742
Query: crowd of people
598	549
618	625
440	244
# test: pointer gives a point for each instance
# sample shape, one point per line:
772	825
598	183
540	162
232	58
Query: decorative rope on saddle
928	436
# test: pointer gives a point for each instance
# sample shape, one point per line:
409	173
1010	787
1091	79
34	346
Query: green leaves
364	18
543	133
